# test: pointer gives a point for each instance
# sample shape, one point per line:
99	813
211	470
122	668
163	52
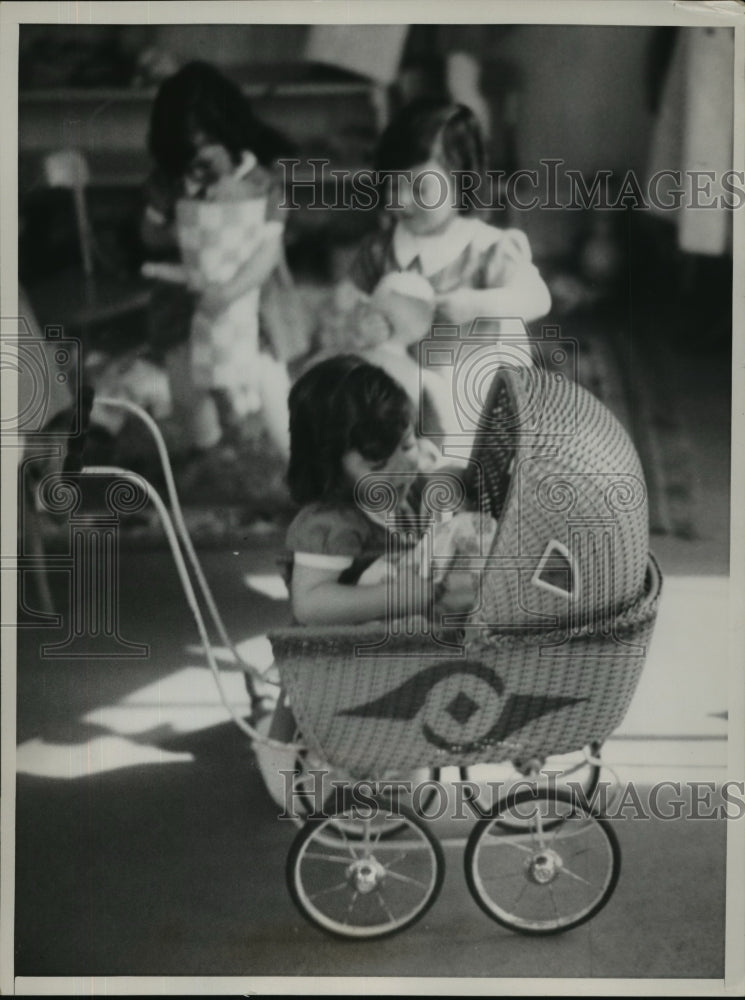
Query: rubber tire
306	832
589	790
526	795
307	803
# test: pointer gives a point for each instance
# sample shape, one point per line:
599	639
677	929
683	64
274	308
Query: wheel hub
365	874
544	866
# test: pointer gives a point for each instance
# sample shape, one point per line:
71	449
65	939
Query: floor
147	845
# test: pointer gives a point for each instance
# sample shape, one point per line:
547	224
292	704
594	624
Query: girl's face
401	466
427	201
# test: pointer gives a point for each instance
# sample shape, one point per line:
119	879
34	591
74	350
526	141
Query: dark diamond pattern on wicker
535	673
461	708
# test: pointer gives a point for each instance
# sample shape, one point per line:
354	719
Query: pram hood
563	479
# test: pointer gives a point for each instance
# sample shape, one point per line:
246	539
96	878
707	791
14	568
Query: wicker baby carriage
547	664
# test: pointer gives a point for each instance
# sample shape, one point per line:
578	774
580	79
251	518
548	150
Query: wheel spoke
335	858
555	773
553	901
331	888
533	835
571	874
555	833
352	901
407	878
386	909
401	857
539	830
347	842
502	875
507	842
543	904
520	894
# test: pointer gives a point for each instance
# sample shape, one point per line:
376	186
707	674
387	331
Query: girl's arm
513	285
319	599
156	235
526	296
157	230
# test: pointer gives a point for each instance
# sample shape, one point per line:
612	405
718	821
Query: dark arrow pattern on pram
406	701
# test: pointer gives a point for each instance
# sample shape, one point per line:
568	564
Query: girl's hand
227	188
371	326
457	306
459	595
214	300
430	455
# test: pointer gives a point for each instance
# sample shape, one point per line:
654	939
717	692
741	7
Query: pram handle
76	442
175	526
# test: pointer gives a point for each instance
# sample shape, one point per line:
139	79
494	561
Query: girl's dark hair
432	128
199	97
339	405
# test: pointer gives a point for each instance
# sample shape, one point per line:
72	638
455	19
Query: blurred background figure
630	286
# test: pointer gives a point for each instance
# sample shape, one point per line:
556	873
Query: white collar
247	164
434	251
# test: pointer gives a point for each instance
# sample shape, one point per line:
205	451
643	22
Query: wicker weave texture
512	695
575	489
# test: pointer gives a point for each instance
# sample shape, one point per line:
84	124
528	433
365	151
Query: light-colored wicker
557	467
512	695
550	668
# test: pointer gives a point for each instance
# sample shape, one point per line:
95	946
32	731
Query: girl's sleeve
325	538
509	268
507	257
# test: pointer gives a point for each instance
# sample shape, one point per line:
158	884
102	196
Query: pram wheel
546	879
313	785
369	887
578	773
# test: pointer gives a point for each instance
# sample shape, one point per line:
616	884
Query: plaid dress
216	238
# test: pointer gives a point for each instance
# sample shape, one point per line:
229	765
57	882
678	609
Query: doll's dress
217	237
